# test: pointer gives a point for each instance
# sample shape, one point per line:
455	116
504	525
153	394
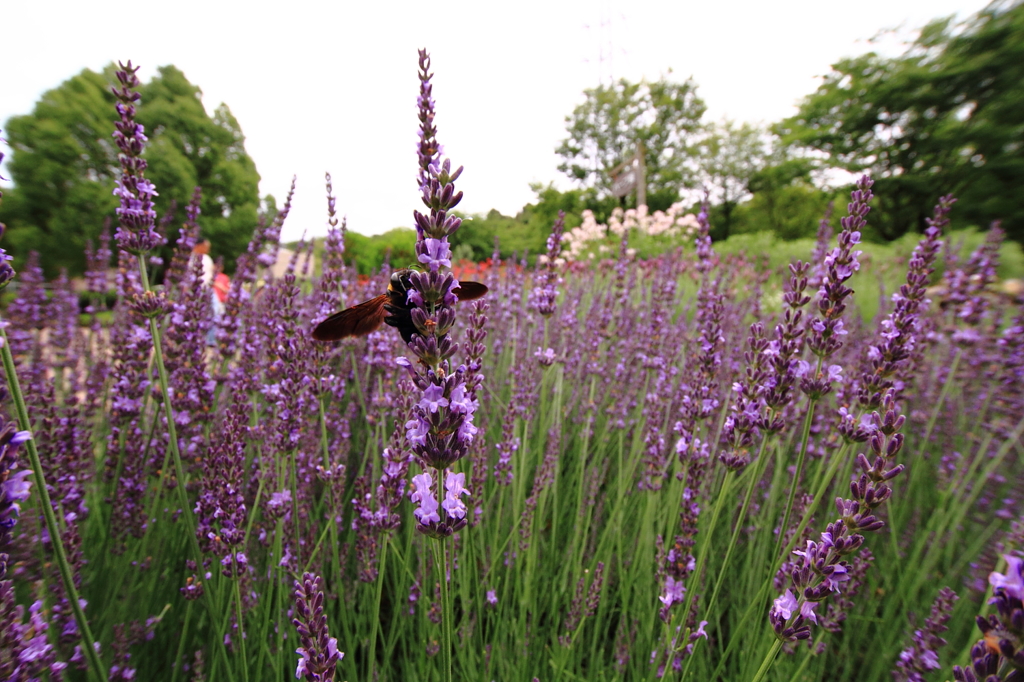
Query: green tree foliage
730	155
605	129
64	166
475	240
785	201
527	232
943	117
189	148
396	247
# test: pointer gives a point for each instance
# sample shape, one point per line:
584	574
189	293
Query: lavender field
688	466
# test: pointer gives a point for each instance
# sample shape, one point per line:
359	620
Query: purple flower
318	655
785	605
546	356
17	488
922	655
6	271
136	232
437	254
584	603
467	430
1000	649
433	398
822	569
891	359
838	266
836	577
14	487
492	598
454	488
441	427
423	495
417	430
461	401
279	503
674	592
835	373
1012	582
546	281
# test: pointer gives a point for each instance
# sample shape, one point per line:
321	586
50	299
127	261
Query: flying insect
391	308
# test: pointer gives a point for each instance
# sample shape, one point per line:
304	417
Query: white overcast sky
331	86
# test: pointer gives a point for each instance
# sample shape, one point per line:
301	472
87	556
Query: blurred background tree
396	247
526	233
784	197
605	129
730	155
946	116
64	166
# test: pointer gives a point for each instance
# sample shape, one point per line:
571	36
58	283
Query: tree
785	200
605	129
527	232
942	117
397	246
730	155
64	166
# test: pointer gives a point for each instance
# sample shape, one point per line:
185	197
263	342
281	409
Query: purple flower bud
318	655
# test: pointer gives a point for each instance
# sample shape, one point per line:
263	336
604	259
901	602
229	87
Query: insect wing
358	320
470	291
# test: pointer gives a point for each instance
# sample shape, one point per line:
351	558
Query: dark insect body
391	308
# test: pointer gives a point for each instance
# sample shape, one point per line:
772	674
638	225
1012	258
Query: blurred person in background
210	280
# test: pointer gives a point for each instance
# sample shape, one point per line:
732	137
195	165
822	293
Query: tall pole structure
641	175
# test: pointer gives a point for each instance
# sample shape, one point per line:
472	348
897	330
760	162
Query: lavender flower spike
999	655
136	232
14	488
318	655
825	332
888	359
820	569
441	426
545	289
922	655
6	271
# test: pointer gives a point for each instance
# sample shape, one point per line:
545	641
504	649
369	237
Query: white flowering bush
592	237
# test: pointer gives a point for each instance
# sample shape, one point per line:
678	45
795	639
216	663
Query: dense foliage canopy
604	132
946	116
64	165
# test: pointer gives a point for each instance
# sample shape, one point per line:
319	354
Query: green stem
238	618
172	428
804	438
694	579
756	472
755	476
762	594
324	441
375	621
181	643
766	664
172	434
441	559
66	576
946	386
